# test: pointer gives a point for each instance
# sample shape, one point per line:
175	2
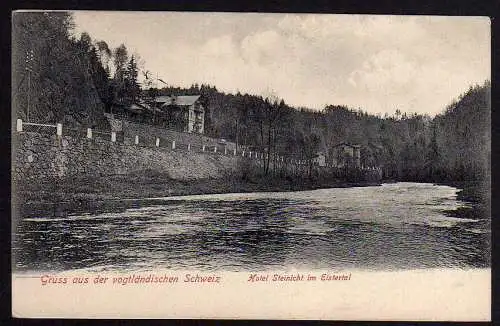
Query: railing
155	142
38	127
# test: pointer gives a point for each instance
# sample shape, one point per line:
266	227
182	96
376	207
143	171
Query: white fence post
136	140
173	144
113	136
250	154
215	149
157	142
235	152
189	147
59	129
203	148
89	133
243	153
19	125
225	150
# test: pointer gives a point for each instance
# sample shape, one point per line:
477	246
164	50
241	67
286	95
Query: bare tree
274	110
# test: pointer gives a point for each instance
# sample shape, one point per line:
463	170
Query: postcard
250	166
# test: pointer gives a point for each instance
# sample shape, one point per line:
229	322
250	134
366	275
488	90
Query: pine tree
120	58
132	88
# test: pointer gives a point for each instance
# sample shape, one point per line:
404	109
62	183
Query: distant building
182	113
137	112
345	154
190	107
319	159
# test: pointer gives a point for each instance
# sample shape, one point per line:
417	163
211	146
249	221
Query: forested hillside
52	80
461	137
58	77
74	80
453	146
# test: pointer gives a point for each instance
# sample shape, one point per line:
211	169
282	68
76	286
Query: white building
189	105
319	159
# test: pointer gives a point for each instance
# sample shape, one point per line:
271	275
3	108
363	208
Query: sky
376	63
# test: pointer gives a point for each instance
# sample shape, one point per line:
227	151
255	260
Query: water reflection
395	226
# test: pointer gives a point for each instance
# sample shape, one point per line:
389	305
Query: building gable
181	100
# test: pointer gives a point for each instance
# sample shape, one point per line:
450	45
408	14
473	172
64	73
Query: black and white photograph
279	149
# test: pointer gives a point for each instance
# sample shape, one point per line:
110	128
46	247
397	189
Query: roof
346	144
180	100
137	107
141	107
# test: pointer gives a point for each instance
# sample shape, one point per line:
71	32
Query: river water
390	227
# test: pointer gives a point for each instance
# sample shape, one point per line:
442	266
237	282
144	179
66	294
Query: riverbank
84	193
146	185
477	194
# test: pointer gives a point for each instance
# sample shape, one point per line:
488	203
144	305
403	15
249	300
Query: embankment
38	157
75	171
52	169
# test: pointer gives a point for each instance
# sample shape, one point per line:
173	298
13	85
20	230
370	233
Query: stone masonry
41	156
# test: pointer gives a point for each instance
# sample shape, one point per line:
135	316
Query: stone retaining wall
41	156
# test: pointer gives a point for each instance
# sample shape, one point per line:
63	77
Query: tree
105	55
55	83
120	58
130	80
89	58
150	93
271	111
398	114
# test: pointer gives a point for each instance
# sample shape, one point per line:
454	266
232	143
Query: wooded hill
454	145
75	80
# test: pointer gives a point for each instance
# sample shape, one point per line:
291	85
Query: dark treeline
51	80
452	146
75	80
58	77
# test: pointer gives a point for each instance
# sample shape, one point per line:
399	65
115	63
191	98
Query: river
395	226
